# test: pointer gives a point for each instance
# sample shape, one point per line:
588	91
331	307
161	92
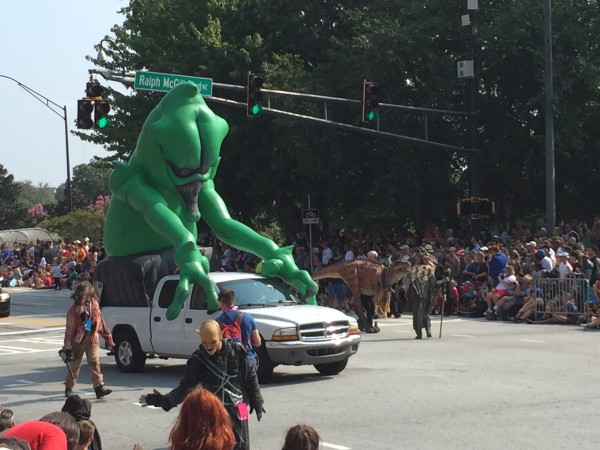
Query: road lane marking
42	330
532	340
463	335
10	350
35	320
334	446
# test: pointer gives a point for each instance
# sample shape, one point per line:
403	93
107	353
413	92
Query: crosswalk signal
254	95
101	110
370	102
84	114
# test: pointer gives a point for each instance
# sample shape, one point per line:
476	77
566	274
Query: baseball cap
531	244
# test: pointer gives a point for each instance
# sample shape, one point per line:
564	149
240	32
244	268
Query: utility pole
55	108
549	119
467	69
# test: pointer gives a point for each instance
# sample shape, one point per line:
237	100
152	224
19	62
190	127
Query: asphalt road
483	385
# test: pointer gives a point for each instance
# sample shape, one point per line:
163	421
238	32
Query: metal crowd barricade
556	293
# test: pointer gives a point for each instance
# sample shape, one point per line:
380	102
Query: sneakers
101	391
68	392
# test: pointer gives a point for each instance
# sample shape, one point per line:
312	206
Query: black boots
101	391
68	392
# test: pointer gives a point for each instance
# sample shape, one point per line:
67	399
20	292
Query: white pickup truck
292	333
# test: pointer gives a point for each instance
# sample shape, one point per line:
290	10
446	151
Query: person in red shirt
84	325
40	435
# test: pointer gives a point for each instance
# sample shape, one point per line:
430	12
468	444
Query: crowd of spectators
470	268
48	264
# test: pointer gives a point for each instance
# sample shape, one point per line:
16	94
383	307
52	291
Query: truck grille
323	331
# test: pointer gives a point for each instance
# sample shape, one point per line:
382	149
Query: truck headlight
286	334
353	327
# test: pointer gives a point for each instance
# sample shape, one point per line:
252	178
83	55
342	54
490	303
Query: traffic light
254	95
93	89
370	103
101	110
84	114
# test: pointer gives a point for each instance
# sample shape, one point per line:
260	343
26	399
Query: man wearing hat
421	290
220	366
564	266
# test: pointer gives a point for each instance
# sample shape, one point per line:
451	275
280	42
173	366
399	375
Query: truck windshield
261	292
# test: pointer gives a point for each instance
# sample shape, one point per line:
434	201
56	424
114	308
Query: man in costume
220	366
421	291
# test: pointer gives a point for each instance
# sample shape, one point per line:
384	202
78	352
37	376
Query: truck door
167	335
195	314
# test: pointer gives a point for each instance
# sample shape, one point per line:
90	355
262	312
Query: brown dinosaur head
397	270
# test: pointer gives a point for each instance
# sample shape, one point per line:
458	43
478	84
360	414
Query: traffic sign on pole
164	82
310	216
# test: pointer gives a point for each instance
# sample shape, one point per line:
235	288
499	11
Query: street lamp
102	58
63	115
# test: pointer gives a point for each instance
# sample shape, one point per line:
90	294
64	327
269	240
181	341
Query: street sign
164	82
310	216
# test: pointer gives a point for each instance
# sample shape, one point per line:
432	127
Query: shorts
499	292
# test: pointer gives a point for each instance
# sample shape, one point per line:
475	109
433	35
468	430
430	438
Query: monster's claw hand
281	264
193	268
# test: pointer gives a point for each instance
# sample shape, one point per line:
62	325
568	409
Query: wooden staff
442	313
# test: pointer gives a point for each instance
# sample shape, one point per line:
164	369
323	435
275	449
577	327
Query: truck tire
128	352
265	366
332	368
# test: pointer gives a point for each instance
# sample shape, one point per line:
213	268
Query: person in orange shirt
80	255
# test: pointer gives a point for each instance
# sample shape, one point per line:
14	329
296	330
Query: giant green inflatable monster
168	186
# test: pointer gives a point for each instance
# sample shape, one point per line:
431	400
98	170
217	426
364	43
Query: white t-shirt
326	256
349	255
564	269
547	263
506	283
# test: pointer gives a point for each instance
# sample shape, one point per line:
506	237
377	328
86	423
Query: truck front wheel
128	353
265	366
332	368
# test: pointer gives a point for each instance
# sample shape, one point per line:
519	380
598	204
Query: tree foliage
76	225
410	48
12	214
43	193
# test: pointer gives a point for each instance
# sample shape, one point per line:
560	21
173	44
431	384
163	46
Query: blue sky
44	44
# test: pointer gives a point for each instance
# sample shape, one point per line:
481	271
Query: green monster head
179	146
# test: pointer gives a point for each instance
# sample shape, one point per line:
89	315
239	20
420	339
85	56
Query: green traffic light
372	115
256	109
103	122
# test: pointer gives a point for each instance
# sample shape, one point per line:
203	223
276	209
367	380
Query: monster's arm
277	261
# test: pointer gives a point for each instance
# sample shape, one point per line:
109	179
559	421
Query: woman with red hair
203	424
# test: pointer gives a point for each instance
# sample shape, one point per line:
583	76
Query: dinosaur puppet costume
365	278
420	292
168	186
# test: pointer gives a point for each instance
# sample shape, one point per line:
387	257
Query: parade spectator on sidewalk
202	424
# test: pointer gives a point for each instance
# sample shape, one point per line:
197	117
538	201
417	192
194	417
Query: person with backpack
237	325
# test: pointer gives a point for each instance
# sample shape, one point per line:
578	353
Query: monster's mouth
189	193
188	183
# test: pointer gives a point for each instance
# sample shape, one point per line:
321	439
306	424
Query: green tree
270	164
12	215
76	225
30	194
